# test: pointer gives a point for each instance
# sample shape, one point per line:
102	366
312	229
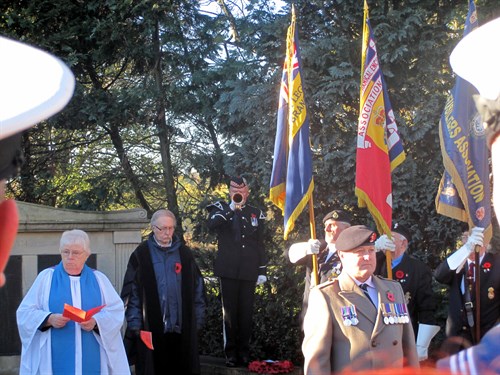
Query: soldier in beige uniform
348	328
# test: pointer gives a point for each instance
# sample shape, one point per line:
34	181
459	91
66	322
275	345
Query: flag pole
312	225
388	263
477	324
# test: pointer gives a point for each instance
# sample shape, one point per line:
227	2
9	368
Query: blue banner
291	178
464	192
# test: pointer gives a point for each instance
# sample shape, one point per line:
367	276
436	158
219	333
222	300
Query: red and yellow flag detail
379	148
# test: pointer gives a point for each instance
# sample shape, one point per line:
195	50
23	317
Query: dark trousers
237	309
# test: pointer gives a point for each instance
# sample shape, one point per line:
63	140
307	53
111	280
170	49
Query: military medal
406	314
349	315
354	315
399	309
386	313
392	318
346	315
491	292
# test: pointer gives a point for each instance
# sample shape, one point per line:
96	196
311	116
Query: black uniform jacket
415	278
241	254
490	295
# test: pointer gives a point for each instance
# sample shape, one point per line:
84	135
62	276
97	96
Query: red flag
379	147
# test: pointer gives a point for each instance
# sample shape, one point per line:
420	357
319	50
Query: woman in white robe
54	344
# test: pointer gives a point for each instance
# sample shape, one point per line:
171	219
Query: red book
147	339
79	315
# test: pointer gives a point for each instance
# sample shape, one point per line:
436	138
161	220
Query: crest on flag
464	191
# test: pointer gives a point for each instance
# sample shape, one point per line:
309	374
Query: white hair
162	213
75	236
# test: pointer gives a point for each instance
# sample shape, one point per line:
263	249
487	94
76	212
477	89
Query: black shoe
231	362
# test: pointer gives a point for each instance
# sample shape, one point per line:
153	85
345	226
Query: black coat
415	278
240	256
489	278
140	272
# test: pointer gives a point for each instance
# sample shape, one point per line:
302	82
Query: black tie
365	290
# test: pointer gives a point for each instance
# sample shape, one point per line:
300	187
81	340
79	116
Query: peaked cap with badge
338	215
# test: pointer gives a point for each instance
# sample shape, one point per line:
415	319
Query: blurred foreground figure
34	86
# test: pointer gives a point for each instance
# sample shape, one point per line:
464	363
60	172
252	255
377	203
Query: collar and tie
364	286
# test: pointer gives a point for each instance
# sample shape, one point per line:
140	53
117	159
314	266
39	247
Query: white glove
232	206
261	279
422	353
425	334
476	237
313	247
457	259
385	243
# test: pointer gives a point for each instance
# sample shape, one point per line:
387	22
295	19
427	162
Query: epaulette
217	205
386	279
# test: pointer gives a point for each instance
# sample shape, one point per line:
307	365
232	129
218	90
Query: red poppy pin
390	296
400	274
178	268
486	266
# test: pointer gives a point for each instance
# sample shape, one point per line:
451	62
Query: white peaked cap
476	58
34	85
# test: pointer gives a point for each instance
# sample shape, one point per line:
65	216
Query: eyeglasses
164	229
76	254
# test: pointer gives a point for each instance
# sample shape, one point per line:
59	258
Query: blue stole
63	339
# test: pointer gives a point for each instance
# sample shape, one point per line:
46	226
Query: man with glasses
357	321
240	264
164	294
